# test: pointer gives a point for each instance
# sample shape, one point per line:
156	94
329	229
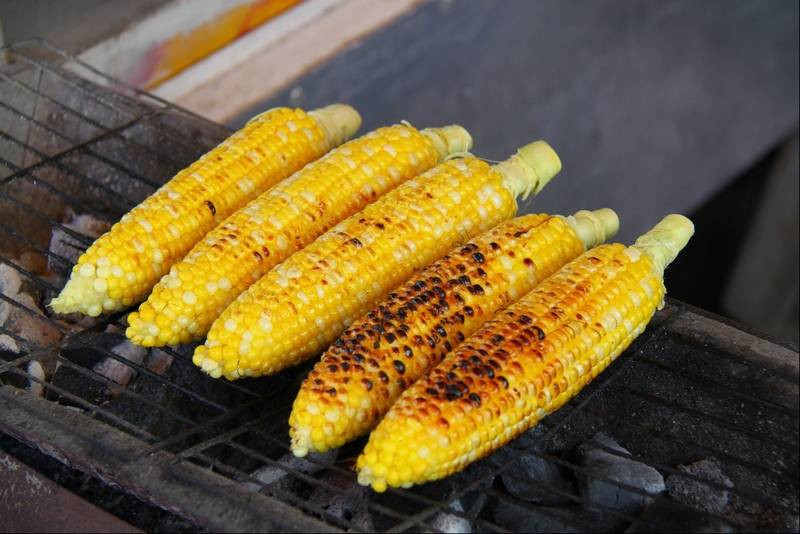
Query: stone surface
619	469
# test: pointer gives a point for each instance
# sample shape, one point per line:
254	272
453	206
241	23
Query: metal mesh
75	142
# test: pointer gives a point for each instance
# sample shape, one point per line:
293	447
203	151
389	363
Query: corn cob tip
83	293
453	139
594	227
208	365
666	239
339	120
530	169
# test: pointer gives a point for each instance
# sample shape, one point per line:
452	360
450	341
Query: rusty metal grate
75	142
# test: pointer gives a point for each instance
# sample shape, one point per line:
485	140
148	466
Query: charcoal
530	518
158	361
75	383
68	247
480	475
36	387
534	479
697	494
448	522
410	502
270	474
9	345
618	469
666	515
347	501
29	325
115	370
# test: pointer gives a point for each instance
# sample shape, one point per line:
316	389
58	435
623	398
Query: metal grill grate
75	142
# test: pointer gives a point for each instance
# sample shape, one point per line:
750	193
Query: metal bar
234	473
206	425
53	161
176	135
204	497
760	468
306	478
660	466
144	370
705	381
79	115
711	418
44	217
33	313
43	284
83	146
33	245
93	410
124	390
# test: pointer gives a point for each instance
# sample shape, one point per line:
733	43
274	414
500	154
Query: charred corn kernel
304	303
283	220
525	363
409	332
122	265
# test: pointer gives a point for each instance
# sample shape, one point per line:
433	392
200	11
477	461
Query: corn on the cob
122	265
525	363
387	350
281	221
304	303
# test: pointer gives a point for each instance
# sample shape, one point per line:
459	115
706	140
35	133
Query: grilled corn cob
525	363
122	265
281	221
420	322
304	303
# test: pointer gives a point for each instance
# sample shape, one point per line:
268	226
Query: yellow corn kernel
285	219
123	264
419	323
525	363
303	304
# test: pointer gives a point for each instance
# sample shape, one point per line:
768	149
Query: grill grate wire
65	147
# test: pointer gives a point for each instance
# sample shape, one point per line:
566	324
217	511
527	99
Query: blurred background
654	106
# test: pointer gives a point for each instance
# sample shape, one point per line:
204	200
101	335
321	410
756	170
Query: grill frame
167	469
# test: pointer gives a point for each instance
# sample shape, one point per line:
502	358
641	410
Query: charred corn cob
122	265
387	350
525	363
281	221
304	303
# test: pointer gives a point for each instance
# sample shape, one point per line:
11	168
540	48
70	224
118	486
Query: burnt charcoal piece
696	494
534	479
270	475
351	511
531	518
620	469
671	516
445	521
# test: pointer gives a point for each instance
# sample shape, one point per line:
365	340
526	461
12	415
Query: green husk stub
449	140
594	227
339	120
665	240
530	169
